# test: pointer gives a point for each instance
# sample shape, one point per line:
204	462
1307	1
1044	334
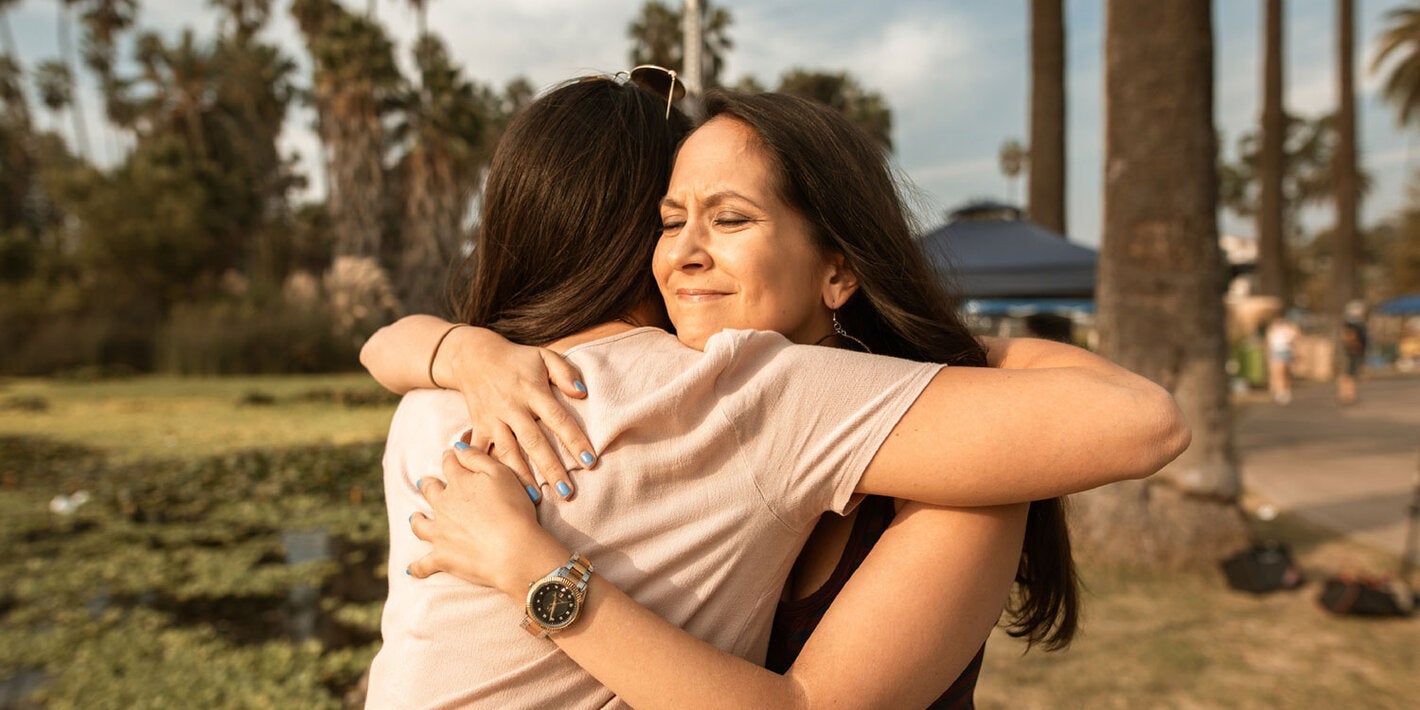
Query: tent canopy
1407	305
990	251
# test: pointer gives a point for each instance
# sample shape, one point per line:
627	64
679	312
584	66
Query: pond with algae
253	577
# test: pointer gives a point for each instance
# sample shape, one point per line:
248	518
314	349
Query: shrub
242	337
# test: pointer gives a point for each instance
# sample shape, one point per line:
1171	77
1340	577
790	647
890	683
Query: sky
955	73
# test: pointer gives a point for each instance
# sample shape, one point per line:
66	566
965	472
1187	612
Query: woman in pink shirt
764	228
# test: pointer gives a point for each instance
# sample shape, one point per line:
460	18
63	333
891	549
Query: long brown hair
571	212
838	179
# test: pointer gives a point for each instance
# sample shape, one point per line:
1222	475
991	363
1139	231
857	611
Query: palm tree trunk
1345	247
76	110
1161	283
1047	114
1271	255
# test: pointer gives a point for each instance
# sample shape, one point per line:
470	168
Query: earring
838	328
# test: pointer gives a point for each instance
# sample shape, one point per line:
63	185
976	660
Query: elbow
367	351
1170	435
370	358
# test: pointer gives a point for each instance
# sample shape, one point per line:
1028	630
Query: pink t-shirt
714	468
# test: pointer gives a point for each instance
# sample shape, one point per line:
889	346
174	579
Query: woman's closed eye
732	220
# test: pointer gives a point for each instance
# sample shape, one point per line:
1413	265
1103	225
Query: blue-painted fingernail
411	517
417	483
587	458
577	385
533	494
406	571
564	489
460	445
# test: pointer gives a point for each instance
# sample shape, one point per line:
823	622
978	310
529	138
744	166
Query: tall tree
1346	244
6	34
1401	40
842	91
1013	158
66	54
55	84
1271	246
354	83
178	79
1308	180
421	17
104	21
657	34
1047	114
447	121
1161	283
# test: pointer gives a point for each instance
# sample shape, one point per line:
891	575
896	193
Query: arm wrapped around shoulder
1050	420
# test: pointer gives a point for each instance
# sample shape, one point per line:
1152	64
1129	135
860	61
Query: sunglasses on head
660	81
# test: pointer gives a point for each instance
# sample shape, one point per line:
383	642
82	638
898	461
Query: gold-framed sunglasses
657	80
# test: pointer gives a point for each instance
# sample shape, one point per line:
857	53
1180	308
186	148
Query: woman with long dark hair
781	217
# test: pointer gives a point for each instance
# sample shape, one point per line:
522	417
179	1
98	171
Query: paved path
1351	469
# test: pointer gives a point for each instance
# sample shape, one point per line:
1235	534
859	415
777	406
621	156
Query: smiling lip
698	294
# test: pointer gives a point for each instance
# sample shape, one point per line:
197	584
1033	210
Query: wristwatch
555	600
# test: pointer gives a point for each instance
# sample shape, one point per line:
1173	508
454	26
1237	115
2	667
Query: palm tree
447	121
841	90
1308	172
178	79
1271	254
1401	38
55	84
66	54
421	17
241	19
104	21
354	82
1013	158
1047	114
14	68
1346	245
657	37
6	35
1161	283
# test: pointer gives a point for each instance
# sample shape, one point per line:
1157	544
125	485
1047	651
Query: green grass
155	417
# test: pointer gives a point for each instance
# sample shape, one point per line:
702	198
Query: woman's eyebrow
712	200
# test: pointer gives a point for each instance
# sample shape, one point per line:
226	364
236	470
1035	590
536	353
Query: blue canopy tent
1408	305
991	253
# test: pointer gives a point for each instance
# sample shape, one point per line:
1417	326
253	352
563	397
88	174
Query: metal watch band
578	568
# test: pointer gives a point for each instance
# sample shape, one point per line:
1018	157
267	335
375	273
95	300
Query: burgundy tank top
795	620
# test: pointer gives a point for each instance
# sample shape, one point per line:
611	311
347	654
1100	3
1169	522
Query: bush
228	338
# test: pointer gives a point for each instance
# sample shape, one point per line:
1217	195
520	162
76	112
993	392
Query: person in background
1281	340
1353	352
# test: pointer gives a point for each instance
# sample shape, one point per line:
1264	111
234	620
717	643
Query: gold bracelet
435	354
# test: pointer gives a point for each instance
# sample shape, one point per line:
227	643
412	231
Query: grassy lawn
153	417
1155	640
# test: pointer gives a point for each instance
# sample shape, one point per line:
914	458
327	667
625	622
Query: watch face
553	605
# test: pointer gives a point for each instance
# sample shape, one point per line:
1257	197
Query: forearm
919	607
397	355
644	659
651	663
989	436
